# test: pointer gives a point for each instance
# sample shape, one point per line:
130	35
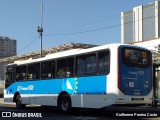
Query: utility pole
40	29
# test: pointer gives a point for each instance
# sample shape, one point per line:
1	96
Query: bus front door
156	84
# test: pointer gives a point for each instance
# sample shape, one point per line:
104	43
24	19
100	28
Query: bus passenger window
21	73
65	67
68	72
10	74
91	65
47	69
81	66
86	65
61	73
34	71
103	62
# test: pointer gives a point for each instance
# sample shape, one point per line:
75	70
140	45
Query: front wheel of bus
19	104
65	103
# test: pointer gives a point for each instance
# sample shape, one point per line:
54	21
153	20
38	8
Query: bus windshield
135	58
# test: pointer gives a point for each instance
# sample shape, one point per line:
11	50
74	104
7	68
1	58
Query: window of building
65	67
34	71
47	69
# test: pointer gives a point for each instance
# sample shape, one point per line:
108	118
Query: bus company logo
70	85
30	87
19	88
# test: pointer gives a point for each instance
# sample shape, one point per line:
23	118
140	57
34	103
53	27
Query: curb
5	103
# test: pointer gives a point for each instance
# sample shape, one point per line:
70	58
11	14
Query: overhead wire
85	31
27	45
88	23
97	29
80	32
76	26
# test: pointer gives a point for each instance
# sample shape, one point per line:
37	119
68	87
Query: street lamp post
40	29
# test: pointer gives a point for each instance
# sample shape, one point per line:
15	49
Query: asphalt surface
9	111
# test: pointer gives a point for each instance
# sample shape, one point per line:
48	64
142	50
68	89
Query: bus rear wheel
65	103
19	104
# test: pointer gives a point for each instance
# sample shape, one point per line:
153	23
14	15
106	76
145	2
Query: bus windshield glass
135	57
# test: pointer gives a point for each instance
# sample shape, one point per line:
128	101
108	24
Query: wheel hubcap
65	105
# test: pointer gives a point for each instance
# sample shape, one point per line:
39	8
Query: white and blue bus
87	78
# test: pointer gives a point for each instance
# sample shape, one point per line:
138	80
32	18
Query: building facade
141	26
142	23
8	47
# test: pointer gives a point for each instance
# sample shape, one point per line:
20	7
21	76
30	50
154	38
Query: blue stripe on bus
79	85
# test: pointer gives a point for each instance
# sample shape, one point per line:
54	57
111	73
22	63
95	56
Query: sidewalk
13	104
2	102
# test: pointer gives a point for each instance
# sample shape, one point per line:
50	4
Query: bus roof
67	53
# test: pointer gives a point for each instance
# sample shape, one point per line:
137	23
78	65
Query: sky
64	21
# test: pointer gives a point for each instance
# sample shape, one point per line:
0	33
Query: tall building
8	47
142	23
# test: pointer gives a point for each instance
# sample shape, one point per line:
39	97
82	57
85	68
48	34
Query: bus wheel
65	103
19	104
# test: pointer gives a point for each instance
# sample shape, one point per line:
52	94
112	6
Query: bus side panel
45	92
36	87
91	100
91	85
35	92
46	99
97	101
77	100
26	98
90	92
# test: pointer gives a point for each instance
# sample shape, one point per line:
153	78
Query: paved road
115	113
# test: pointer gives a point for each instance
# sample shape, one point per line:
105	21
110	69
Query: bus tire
19	104
155	103
65	103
